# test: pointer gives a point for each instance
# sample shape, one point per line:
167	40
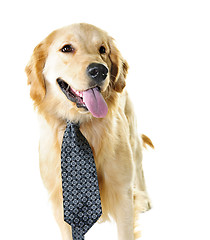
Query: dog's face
75	72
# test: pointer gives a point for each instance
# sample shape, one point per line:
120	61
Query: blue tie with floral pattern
81	196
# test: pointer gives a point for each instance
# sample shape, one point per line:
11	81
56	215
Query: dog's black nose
98	72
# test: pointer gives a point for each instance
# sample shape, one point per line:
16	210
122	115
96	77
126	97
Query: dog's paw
146	205
142	201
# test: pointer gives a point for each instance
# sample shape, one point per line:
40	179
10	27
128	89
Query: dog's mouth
72	94
90	99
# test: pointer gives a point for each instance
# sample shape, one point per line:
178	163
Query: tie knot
73	124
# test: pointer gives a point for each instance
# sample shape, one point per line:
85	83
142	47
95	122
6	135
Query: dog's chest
96	137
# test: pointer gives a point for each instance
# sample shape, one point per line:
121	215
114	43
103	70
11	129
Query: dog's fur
114	139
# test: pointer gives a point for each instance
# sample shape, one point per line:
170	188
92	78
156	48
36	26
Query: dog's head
76	72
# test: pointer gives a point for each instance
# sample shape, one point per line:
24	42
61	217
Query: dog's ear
119	68
34	71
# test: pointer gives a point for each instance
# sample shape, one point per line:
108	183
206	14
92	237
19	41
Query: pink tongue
95	102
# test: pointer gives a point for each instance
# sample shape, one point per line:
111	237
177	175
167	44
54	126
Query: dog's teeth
78	93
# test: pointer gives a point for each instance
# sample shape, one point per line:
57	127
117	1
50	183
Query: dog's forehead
84	33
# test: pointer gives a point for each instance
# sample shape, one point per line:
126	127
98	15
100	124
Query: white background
167	45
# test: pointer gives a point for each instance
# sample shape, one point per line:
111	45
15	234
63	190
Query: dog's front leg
117	201
57	204
125	216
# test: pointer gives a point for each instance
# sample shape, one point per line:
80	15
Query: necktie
81	196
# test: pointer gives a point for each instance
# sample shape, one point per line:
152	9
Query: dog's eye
67	49
102	50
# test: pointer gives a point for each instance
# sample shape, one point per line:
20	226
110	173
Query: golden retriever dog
78	74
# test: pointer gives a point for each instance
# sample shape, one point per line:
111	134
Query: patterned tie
81	196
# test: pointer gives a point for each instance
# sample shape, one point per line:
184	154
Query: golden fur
114	139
